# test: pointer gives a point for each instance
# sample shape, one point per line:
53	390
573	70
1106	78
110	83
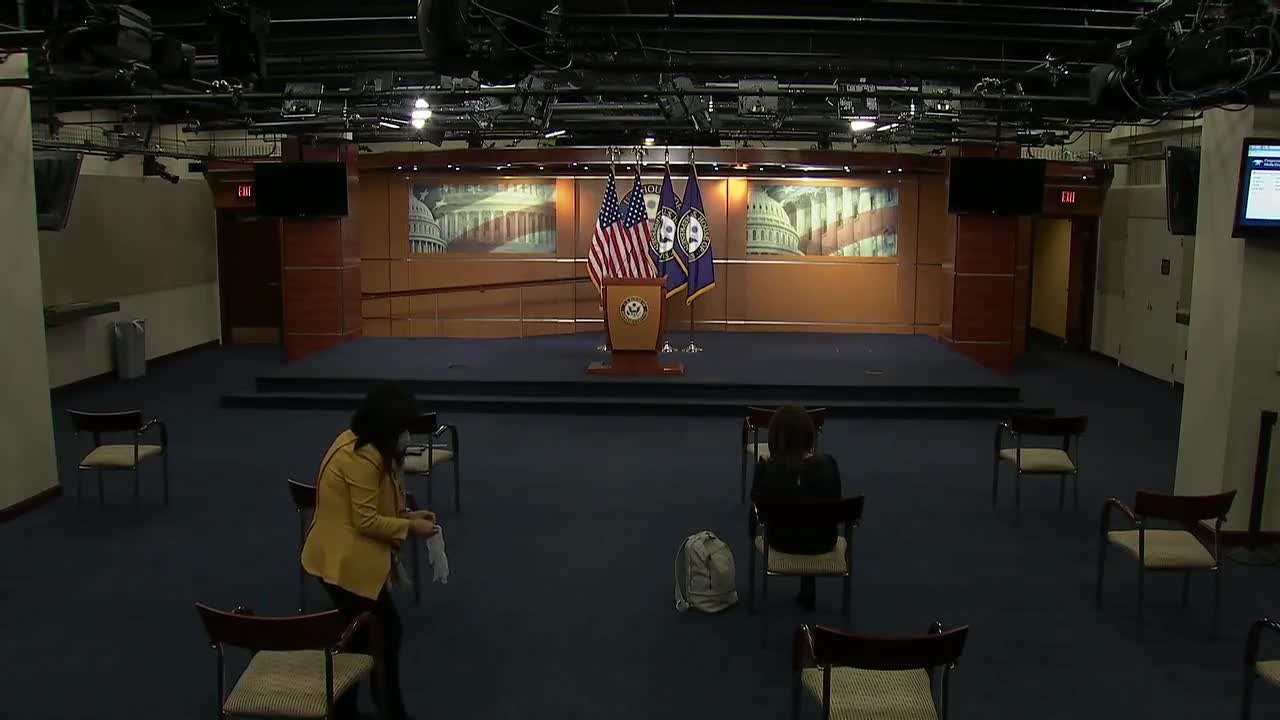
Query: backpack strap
682	603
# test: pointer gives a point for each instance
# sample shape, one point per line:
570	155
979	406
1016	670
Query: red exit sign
244	191
1068	197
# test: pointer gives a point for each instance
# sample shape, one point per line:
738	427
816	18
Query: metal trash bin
131	348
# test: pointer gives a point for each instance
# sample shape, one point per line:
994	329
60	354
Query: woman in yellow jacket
359	523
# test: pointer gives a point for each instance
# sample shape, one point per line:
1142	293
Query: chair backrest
242	629
758	417
867	652
1186	509
304	495
792	511
106	422
1057	426
425	424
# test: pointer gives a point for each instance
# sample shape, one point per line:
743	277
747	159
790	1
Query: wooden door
1082	281
249	278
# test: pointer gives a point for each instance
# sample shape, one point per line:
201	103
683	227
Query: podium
635	317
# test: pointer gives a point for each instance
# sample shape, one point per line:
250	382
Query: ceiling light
418	123
887	127
542	167
899	169
554	133
742	166
861	125
846	168
388	124
399	167
415	168
649	140
420	104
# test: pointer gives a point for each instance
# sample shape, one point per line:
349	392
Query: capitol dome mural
503	217
833	221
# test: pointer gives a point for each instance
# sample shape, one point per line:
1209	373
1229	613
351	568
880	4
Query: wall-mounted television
300	189
1258	192
56	173
1182	188
996	186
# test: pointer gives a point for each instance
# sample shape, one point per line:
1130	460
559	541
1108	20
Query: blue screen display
1259	203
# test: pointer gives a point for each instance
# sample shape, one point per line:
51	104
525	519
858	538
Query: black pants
386	683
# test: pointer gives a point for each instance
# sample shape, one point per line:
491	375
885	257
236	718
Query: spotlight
421	113
861	125
554	133
420	104
418	123
415	168
542	167
742	166
887	127
650	140
846	168
388	124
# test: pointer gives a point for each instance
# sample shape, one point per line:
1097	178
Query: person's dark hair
384	413
792	437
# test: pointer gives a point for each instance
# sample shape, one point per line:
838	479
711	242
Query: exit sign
244	191
1068	197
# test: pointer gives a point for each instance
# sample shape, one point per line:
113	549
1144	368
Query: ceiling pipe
667	21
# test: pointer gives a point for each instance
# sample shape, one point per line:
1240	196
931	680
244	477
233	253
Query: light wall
144	242
27	454
805	294
1050	276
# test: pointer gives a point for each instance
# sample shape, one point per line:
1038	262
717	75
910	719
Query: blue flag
666	252
694	238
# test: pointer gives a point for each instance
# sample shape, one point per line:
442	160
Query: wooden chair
425	453
860	677
1268	670
1167	550
304	502
119	457
754	450
298	666
845	512
1062	461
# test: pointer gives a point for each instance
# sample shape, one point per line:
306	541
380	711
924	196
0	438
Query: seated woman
359	524
794	470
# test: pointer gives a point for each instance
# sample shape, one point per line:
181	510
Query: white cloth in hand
439	561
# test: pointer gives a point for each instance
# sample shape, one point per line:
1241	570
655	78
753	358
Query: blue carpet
560	604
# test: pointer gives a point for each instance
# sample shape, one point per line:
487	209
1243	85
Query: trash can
131	348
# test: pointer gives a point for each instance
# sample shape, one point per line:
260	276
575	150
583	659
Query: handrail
479	287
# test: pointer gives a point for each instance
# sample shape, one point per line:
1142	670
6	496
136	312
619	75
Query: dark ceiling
609	71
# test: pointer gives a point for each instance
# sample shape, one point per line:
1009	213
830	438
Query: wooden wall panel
985	244
398	216
450	272
983	309
313	301
374	228
932	221
822	292
377	327
375	276
928	294
312	243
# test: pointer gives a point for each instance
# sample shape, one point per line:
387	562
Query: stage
852	374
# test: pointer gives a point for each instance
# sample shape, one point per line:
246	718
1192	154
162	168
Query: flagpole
692	347
666	342
604	347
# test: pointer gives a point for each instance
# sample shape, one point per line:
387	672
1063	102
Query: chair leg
1062	492
102	499
751	578
457	488
1186	588
1142	582
137	482
847	604
764	607
79	485
1075	490
1217	601
1102	563
430	477
1246	697
995	483
1017	498
165	458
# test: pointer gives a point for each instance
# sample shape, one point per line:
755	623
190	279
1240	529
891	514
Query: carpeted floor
560	604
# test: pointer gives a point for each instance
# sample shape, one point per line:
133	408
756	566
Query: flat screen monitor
1258	194
996	186
57	173
1182	188
300	189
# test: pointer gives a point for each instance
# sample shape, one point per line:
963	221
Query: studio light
887	127
421	113
650	140
554	133
418	123
389	124
861	125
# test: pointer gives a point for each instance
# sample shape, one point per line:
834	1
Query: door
249	278
1081	282
1150	298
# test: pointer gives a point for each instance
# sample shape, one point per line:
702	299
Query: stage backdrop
859	255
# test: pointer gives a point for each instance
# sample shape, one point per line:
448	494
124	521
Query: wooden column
321	264
979	271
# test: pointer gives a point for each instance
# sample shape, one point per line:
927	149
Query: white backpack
709	577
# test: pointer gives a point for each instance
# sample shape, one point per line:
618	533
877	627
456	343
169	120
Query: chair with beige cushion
1268	670
860	677
755	449
298	667
1176	549
1062	461
426	453
123	457
845	513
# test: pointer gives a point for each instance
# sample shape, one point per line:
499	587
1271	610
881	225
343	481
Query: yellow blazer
357	523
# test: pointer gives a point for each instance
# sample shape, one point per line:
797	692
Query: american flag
620	246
